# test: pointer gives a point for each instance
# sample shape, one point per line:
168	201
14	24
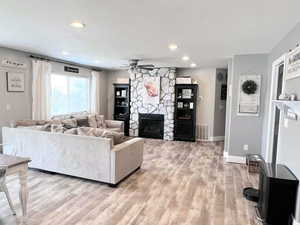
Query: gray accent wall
13	105
246	129
114	77
220	105
288	149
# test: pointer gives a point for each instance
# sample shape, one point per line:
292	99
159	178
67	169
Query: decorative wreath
249	87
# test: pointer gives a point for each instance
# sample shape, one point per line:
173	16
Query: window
69	94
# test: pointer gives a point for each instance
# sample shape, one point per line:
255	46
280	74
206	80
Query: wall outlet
245	147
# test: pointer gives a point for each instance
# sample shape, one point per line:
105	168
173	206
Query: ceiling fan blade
149	66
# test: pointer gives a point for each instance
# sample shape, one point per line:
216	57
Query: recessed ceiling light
173	47
97	61
77	24
65	53
185	58
193	64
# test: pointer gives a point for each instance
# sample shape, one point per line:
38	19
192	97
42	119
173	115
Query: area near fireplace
165	107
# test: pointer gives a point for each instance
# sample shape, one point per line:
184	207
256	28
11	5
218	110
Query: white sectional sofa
87	157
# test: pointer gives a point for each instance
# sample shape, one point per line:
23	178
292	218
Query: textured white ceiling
208	31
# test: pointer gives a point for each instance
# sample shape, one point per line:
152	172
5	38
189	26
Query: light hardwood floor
179	183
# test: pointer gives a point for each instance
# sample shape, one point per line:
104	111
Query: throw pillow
57	128
92	121
85	131
100	121
83	122
71	131
69	123
117	137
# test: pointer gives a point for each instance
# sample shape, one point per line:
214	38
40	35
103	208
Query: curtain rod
45	58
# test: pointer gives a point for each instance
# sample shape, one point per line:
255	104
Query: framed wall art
15	82
151	91
249	95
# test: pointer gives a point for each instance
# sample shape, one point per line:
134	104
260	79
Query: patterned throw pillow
100	121
57	128
69	123
85	131
83	122
92	121
71	131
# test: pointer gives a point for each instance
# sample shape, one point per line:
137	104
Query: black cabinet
278	191
122	105
185	112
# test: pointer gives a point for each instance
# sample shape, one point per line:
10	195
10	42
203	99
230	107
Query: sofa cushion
71	131
92	120
84	131
37	127
25	123
58	128
114	129
100	121
69	123
90	131
117	137
83	122
61	117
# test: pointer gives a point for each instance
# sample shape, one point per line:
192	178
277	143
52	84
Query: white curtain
95	92
40	88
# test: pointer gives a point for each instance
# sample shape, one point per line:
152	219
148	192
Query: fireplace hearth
151	125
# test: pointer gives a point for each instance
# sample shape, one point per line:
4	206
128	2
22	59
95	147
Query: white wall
206	103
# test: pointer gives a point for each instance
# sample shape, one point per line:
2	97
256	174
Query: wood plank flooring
179	183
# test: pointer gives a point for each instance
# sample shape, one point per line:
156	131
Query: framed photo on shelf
15	82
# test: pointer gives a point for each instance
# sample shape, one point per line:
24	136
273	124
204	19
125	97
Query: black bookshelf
122	105
185	112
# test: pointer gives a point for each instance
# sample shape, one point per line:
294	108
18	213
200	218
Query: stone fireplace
166	101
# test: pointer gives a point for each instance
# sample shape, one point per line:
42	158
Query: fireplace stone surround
166	103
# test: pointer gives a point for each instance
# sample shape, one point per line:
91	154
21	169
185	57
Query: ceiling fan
134	63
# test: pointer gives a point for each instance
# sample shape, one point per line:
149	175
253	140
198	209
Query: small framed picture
124	93
15	82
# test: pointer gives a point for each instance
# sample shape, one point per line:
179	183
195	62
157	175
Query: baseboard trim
234	159
216	138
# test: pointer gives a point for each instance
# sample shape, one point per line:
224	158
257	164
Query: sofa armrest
115	124
126	158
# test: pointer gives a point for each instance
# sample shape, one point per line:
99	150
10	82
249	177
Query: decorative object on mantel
293	64
249	95
183	80
15	82
13	64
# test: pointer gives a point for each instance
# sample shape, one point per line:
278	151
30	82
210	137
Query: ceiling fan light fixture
173	47
185	58
77	24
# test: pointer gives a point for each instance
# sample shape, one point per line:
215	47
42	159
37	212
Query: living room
149	113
